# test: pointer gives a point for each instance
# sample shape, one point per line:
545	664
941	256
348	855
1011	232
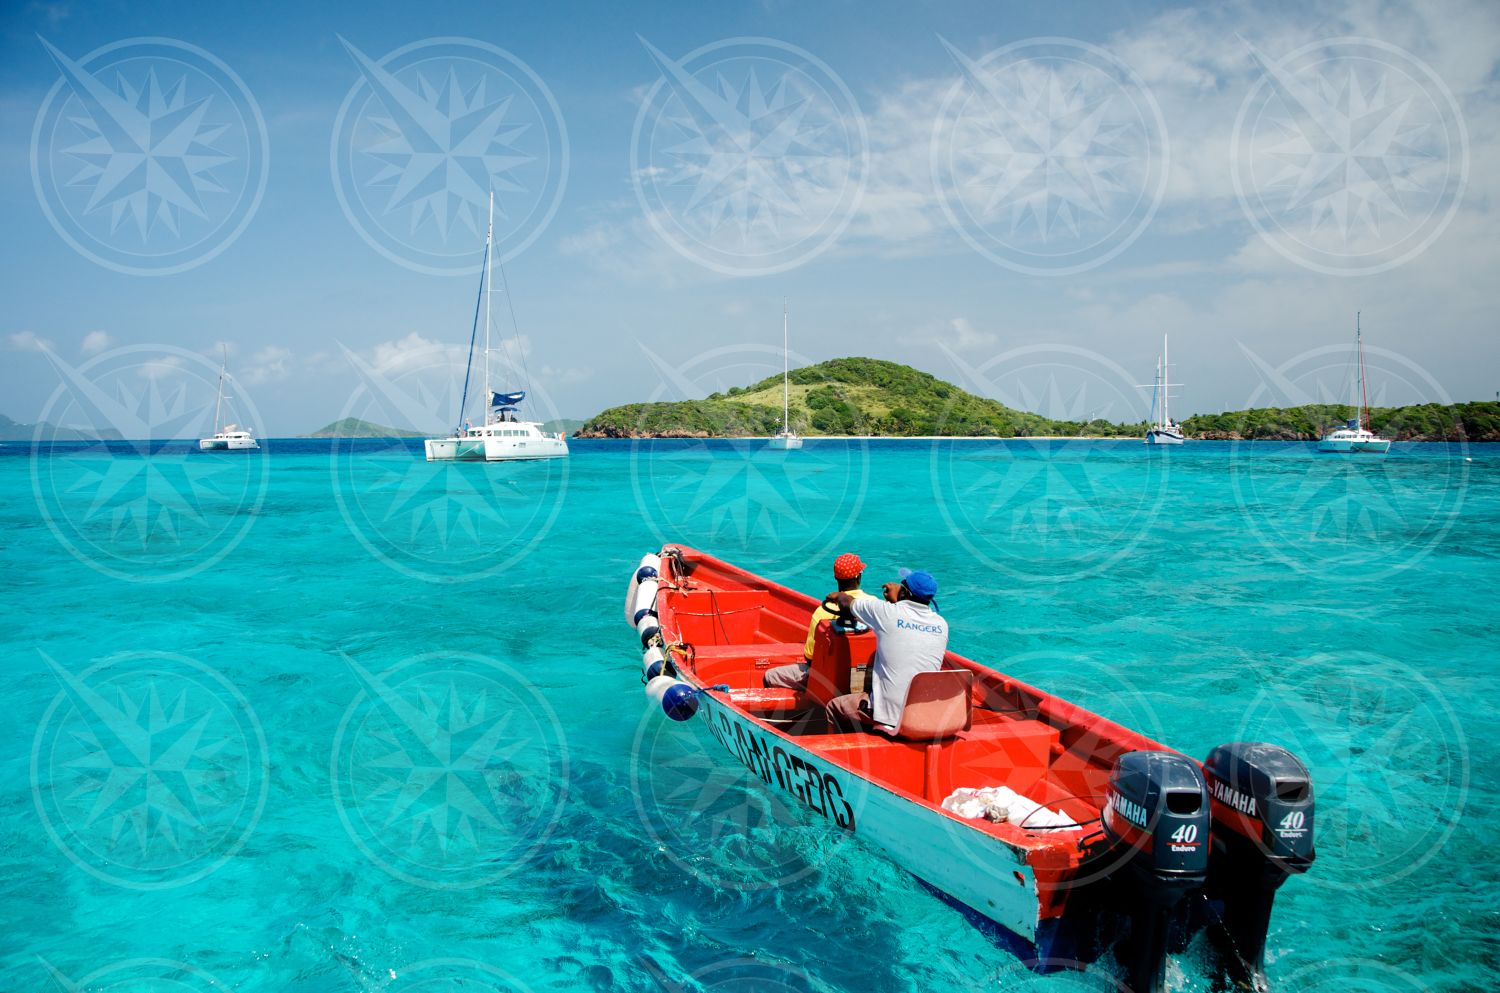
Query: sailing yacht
1355	437
786	439
504	436
229	437
1163	430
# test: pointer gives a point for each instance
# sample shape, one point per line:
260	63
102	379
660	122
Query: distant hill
353	427
853	396
16	431
567	425
1420	422
858	396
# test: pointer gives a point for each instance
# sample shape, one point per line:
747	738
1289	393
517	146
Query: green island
873	397
353	427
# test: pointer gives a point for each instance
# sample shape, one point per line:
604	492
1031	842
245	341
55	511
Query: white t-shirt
910	637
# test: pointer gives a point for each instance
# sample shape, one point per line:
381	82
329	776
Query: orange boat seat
937	707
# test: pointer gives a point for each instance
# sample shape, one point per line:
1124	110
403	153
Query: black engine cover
1270	787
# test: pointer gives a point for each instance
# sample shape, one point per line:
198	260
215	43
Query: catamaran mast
786	404
1166	385
489	272
219	403
1364	396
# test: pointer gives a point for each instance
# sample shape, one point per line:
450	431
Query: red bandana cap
847	566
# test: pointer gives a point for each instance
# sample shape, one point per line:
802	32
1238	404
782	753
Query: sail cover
506	399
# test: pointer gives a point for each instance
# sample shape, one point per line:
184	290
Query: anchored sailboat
1355	437
786	439
503	436
1163	430
231	437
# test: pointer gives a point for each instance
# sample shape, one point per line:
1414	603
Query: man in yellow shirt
848	570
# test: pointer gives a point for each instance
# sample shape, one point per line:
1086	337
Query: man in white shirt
910	637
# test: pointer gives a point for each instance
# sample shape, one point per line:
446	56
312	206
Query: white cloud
960	335
28	341
569	376
165	367
270	364
392	358
95	342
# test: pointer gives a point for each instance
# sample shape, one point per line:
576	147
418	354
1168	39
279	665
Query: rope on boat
1058	804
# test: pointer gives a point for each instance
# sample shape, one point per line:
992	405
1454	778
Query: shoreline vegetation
870	399
858	398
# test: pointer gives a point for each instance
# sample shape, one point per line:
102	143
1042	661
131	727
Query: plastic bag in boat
1004	805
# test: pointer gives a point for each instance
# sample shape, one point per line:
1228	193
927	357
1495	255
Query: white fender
652	656
647	623
645	598
650	560
657	688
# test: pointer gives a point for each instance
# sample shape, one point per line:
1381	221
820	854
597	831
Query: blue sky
1020	199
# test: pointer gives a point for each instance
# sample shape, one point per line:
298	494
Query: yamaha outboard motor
1263	833
1157	804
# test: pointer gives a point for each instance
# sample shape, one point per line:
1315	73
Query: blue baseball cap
920	582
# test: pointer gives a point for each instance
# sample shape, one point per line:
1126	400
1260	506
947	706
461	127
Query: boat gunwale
1050	709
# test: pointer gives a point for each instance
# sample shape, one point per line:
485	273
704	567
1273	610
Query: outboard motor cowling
1157	804
1262	802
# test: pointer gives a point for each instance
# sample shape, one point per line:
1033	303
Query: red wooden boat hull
717	628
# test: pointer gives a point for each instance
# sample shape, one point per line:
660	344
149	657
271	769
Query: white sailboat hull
218	444
1164	436
1348	446
521	449
504	441
454	449
785	443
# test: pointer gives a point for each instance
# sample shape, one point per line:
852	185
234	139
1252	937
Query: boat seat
938	706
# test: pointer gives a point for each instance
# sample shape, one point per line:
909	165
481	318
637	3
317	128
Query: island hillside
853	396
16	431
873	397
353	427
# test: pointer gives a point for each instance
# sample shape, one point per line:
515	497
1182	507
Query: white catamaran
503	437
786	439
1355	437
1163	430
230	437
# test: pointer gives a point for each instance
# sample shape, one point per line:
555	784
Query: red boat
1089	837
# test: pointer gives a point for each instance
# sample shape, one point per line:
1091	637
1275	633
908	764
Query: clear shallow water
331	718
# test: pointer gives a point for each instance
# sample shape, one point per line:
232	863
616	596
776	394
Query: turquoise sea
330	718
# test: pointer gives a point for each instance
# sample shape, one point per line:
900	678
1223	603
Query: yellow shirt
820	613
